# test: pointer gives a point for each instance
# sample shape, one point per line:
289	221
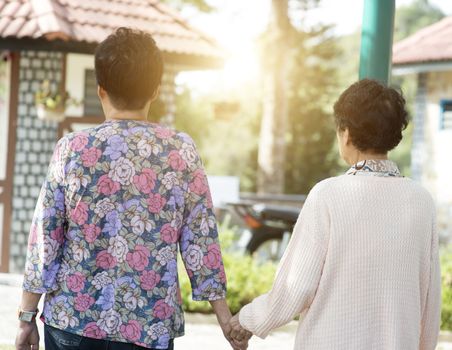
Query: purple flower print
205	286
171	273
177	197
49	274
186	237
58	196
116	146
107	298
125	280
163	341
113	224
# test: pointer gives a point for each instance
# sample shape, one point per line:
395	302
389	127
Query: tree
271	156
410	18
296	135
311	155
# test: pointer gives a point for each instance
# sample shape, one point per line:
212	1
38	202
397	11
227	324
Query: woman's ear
156	94
101	92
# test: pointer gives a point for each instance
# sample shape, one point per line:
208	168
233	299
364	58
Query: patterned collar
375	167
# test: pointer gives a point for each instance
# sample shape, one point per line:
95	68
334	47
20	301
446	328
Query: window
91	103
446	114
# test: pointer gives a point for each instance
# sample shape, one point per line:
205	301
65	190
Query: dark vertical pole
376	39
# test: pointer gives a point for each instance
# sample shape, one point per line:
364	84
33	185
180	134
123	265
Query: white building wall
438	167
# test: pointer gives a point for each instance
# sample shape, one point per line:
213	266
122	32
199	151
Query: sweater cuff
247	320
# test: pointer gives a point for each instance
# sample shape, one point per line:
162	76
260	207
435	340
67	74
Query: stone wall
34	147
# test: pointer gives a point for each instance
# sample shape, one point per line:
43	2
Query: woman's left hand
238	333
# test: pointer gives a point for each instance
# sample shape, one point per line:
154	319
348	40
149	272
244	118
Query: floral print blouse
375	167
118	203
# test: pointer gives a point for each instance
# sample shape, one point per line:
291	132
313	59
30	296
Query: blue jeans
57	339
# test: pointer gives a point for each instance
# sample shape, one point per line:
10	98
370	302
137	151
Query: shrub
246	278
446	274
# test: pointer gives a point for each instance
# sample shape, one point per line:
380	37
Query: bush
446	274
246	279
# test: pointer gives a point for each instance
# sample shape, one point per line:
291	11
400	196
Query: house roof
428	45
92	21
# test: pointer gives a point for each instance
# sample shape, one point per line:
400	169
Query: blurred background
253	82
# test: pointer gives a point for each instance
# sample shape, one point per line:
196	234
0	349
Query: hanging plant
51	105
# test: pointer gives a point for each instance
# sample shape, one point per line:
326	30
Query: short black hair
129	67
374	114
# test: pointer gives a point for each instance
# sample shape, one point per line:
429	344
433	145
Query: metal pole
376	40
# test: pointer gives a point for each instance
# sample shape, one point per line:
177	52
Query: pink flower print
168	234
92	330
76	282
213	258
107	186
83	302
149	279
80	213
91	231
176	161
90	156
222	274
105	260
162	310
33	237
145	182
163	133
156	202
57	235
131	331
199	183
139	258
78	142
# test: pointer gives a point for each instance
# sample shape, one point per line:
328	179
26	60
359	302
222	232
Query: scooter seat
276	212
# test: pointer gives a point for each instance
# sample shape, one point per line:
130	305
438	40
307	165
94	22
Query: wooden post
7	195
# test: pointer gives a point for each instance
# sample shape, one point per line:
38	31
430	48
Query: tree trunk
272	143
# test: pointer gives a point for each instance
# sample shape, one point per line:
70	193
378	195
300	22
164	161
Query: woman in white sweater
362	267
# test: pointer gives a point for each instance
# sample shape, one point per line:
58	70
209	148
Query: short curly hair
129	67
374	114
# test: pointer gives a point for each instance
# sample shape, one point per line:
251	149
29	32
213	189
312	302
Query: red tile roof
430	44
92	20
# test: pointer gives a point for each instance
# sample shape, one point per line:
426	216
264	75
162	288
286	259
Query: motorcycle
268	228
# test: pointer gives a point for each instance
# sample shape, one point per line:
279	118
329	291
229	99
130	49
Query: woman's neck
368	156
126	115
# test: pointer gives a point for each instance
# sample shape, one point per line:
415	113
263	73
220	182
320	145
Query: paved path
201	330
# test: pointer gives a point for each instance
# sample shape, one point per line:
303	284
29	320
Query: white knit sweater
361	269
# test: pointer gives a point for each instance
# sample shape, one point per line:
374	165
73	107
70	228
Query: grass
7	347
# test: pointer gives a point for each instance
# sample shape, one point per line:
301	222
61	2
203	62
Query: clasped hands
236	335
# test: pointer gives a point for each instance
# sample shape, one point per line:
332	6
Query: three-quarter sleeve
431	314
298	273
199	244
47	228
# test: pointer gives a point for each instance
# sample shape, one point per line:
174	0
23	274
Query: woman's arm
298	273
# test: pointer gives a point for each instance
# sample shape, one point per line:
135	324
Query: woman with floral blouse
119	201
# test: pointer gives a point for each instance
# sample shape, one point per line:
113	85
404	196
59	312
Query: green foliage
446	274
225	132
410	18
311	156
246	279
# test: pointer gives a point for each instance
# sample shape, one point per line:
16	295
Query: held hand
27	337
238	333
